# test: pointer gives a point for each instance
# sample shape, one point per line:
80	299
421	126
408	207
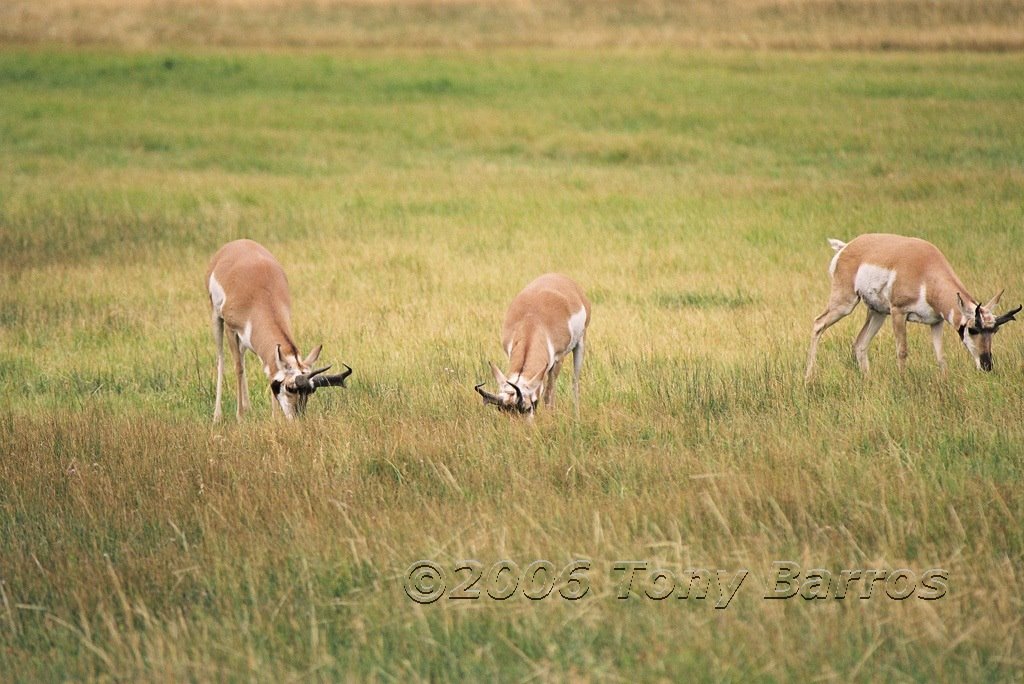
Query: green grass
409	196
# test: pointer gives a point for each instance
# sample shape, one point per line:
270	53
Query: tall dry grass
791	24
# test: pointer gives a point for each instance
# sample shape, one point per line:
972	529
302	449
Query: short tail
836	244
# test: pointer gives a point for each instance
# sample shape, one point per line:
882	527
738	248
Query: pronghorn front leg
899	328
549	389
867	333
218	339
937	344
243	386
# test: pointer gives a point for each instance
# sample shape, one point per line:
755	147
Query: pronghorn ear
499	377
965	310
994	302
313	355
279	359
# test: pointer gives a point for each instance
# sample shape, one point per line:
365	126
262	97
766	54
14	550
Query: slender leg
549	389
899	328
937	344
867	333
840	305
243	385
218	339
577	365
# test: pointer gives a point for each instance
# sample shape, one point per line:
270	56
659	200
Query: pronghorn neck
531	356
944	300
265	340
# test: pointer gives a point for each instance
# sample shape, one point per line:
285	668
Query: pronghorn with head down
909	279
545	322
249	295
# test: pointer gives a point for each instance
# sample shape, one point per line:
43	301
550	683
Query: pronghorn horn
977	317
1008	316
331	380
519	395
317	372
488	397
303	382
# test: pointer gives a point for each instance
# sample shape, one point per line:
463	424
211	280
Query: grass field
409	195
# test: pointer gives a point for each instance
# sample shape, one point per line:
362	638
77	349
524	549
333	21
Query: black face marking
975	331
275	387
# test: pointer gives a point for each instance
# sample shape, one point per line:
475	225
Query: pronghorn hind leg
860	345
839	306
549	389
243	385
217	324
577	365
937	344
899	328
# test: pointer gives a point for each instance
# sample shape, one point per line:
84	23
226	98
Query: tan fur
540	313
916	263
256	294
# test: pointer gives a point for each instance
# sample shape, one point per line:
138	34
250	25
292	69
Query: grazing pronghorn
249	294
545	322
910	280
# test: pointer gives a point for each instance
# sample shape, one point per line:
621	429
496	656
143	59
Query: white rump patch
217	296
838	246
577	325
874	285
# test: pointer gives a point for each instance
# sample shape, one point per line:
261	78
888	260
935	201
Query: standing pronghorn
545	322
249	293
911	280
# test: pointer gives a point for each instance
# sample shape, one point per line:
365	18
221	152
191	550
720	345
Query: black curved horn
519	395
318	371
331	380
1008	316
977	317
488	397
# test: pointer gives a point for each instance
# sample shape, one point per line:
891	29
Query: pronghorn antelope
249	294
545	322
910	280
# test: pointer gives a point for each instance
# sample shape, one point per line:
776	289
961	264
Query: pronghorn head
515	396
295	380
977	325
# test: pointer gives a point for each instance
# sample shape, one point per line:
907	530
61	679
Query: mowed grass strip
409	197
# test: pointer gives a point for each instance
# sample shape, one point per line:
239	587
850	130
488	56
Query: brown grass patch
761	24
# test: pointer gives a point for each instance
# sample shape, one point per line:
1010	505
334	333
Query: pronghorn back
246	273
909	257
